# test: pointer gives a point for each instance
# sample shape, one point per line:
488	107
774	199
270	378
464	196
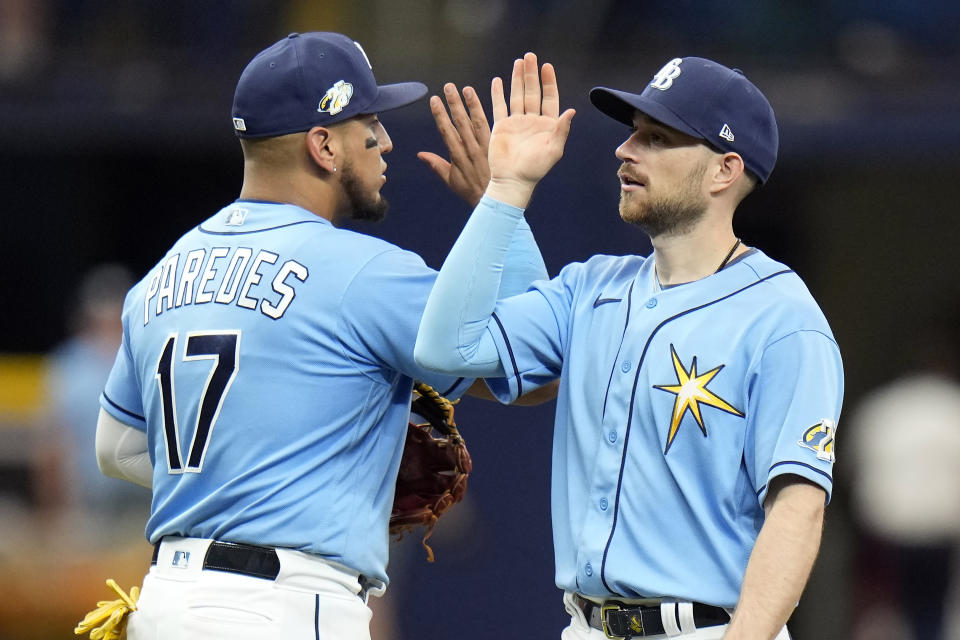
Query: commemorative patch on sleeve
819	439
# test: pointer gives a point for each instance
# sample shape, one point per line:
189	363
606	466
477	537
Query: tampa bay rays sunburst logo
691	391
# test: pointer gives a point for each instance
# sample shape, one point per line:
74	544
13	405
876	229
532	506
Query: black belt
249	560
618	620
232	557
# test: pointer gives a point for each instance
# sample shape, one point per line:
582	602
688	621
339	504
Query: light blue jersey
269	358
676	407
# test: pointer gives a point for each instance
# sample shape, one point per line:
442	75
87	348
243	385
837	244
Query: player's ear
727	168
321	148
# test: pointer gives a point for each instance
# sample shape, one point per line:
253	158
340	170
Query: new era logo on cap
311	79
707	100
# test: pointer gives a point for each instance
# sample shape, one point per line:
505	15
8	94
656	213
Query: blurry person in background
905	441
67	476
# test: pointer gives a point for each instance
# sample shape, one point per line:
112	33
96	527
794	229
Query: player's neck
289	191
696	254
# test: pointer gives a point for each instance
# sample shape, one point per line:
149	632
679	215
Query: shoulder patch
819	438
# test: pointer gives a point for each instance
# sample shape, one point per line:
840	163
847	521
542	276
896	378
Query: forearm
780	563
523	263
122	451
453	331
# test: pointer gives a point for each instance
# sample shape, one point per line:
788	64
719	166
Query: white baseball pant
310	599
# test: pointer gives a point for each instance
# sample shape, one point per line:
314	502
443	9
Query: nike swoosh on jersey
599	301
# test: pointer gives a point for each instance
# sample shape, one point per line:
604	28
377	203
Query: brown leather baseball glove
434	467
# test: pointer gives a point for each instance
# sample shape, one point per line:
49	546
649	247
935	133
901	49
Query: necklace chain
729	255
726	260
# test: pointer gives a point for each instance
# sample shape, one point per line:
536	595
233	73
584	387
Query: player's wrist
512	191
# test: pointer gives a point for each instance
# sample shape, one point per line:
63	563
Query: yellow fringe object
109	620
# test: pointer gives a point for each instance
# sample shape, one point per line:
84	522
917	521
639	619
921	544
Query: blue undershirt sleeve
453	335
523	263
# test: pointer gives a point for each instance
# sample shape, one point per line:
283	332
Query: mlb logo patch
181	559
236	217
239	124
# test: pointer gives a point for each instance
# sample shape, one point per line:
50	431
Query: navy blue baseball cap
706	100
311	80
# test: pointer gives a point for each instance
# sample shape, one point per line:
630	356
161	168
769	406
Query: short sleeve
530	333
796	394
122	396
381	314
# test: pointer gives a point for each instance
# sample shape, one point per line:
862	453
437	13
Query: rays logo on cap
819	438
337	98
665	77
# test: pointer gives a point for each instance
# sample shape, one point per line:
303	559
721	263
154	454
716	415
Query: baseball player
263	385
699	387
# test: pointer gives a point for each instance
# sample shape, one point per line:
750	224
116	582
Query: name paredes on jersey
222	275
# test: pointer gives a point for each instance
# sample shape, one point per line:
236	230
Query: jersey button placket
599	519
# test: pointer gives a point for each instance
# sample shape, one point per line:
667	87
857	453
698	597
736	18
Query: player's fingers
499	102
563	124
448	133
516	87
531	84
455	143
440	166
551	93
458	113
481	127
442	119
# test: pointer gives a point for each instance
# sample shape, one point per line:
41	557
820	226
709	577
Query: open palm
529	136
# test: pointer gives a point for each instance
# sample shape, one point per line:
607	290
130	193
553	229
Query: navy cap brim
621	105
394	96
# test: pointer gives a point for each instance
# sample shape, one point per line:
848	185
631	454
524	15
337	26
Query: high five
699	388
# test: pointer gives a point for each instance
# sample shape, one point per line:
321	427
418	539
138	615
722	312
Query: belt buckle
635	623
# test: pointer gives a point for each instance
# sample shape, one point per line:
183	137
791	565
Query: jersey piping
633	395
240	233
121	409
613	367
513	360
799	464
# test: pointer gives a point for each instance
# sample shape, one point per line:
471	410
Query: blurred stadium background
115	138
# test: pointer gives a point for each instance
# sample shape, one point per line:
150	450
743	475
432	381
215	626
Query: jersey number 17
224	349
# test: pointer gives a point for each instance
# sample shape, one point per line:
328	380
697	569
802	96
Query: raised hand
466	134
528	139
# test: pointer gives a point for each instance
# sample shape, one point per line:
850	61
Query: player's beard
363	205
671	214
